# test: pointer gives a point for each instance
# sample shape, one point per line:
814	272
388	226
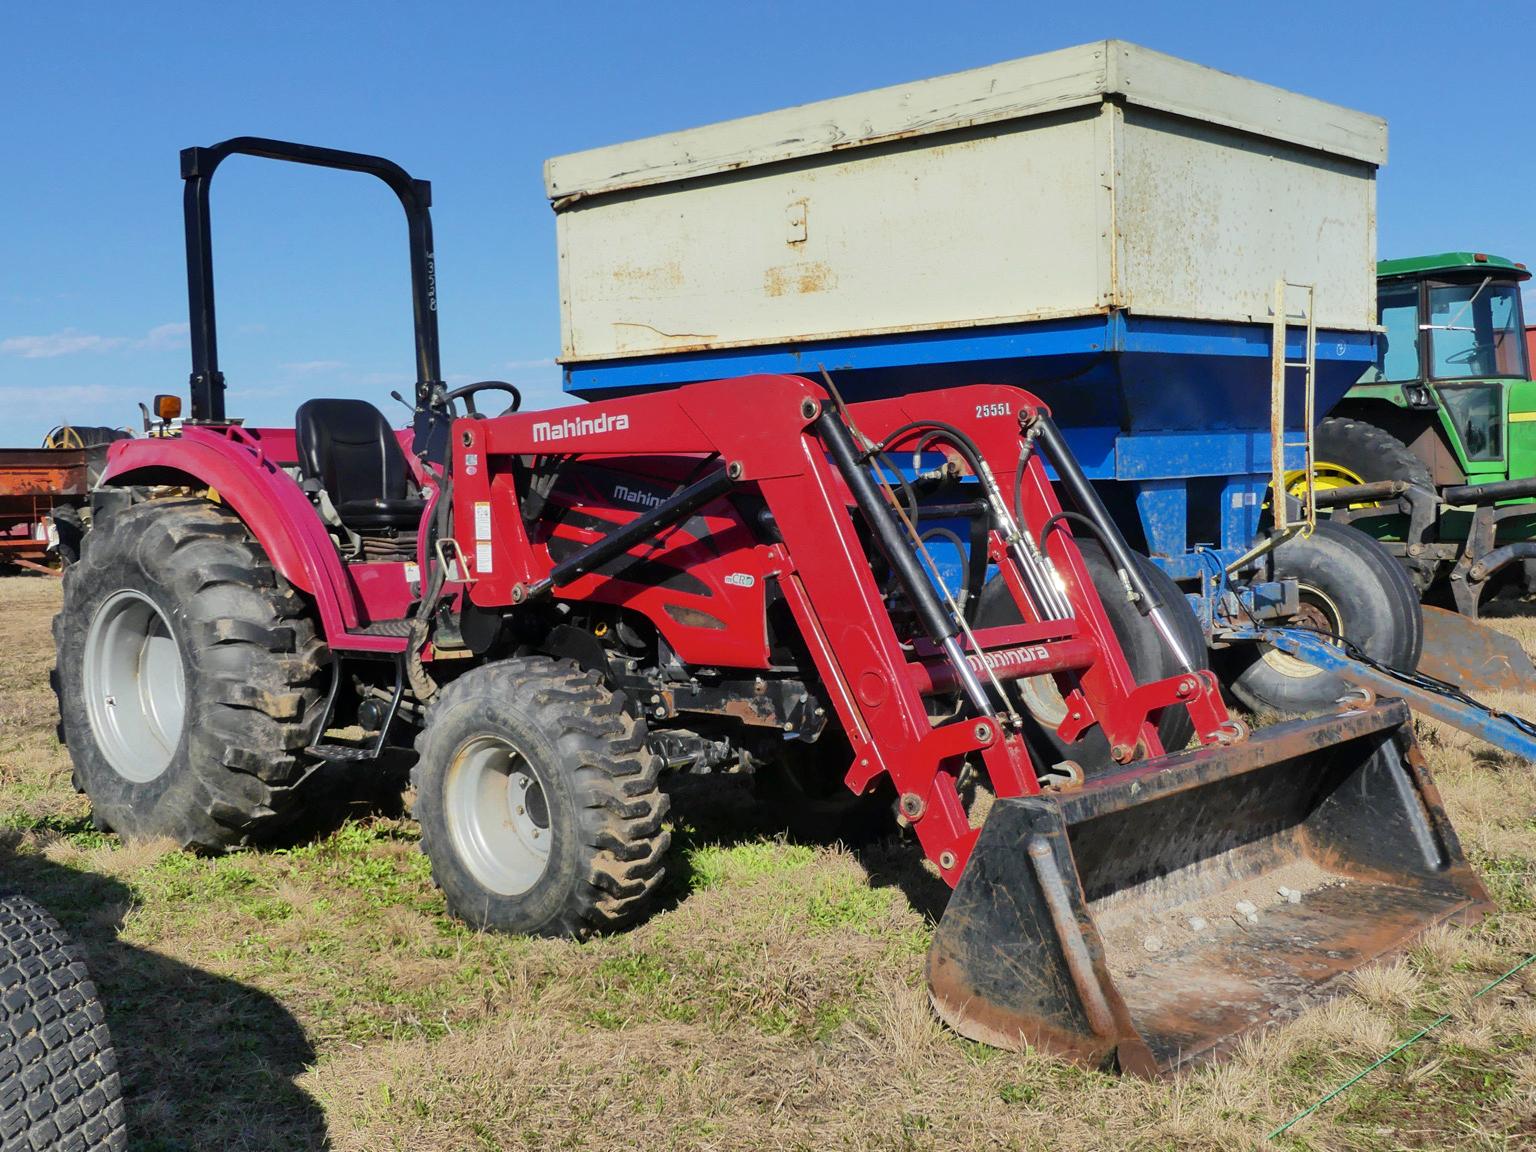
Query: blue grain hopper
1104	225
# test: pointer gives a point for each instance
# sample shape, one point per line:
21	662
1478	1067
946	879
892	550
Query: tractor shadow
720	809
712	809
350	792
206	1062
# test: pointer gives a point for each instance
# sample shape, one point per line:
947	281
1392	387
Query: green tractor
1434	450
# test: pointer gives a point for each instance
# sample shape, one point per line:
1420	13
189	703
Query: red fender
273	506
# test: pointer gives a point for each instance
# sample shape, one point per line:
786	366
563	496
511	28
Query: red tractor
558	607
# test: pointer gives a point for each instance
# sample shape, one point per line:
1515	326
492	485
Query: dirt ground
318	996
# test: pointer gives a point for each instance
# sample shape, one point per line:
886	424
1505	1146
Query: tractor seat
351	451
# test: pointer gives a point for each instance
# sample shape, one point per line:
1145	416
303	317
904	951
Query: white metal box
1100	177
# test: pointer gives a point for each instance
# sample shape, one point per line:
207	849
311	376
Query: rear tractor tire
190	677
539	801
1352	452
1349	586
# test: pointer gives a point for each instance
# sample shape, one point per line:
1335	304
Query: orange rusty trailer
33	483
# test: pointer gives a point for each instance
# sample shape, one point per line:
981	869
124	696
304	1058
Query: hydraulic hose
937	622
1086	497
1039	575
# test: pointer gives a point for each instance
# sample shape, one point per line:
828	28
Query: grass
320	995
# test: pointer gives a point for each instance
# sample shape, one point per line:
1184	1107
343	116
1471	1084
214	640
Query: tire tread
58	1069
622	809
257	671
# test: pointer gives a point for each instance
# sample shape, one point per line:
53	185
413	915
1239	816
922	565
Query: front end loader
558	607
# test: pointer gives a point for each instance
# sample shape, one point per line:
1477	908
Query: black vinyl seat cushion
351	451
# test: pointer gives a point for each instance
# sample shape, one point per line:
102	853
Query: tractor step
398	628
341	752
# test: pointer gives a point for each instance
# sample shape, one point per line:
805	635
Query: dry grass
320	997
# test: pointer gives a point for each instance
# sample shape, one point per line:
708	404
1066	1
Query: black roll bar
197	168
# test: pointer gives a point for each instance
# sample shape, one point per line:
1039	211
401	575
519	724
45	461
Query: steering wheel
1469	355
467	394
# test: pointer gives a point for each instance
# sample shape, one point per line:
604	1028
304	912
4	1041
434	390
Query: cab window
1476	412
1397	348
1475	330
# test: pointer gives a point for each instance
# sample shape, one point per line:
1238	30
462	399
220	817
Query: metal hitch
1153	917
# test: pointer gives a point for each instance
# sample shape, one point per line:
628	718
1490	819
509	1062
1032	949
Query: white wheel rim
498	815
1284	662
135	686
1043	699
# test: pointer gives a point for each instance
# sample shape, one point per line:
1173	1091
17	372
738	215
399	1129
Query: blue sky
311	266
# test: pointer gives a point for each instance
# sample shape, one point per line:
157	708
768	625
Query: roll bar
197	169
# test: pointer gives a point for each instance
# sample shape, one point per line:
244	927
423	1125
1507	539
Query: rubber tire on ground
255	673
803	794
1145	652
1372	454
59	1084
71	524
600	783
1378	610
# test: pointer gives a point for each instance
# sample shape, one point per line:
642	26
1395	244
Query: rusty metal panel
1151	918
1066	184
1207	221
1009	91
942	235
42	472
1478	660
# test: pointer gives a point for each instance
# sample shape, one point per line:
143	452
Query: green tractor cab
1434	450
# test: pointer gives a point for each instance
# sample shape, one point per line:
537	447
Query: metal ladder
1279	366
1284	526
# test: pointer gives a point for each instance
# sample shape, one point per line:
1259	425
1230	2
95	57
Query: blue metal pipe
1484	723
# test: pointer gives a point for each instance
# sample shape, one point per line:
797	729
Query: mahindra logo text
635	496
573	426
1004	657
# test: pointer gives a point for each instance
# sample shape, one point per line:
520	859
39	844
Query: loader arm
876	679
1054	935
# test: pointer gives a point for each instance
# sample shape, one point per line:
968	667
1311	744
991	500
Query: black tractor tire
252	668
1349	586
1369	452
592	797
59	1083
1145	652
71	524
802	794
1373	454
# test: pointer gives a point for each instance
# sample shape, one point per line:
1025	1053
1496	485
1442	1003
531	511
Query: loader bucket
1472	656
1104	924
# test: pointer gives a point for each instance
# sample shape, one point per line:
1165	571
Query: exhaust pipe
1149	919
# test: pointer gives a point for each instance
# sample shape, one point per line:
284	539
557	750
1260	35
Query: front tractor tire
1145	651
539	801
190	677
1349	586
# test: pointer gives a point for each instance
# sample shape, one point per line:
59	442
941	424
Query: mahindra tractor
557	608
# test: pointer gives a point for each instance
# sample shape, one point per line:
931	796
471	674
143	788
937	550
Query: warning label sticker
482	519
483	561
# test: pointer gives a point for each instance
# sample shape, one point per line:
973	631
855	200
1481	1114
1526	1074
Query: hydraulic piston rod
937	622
